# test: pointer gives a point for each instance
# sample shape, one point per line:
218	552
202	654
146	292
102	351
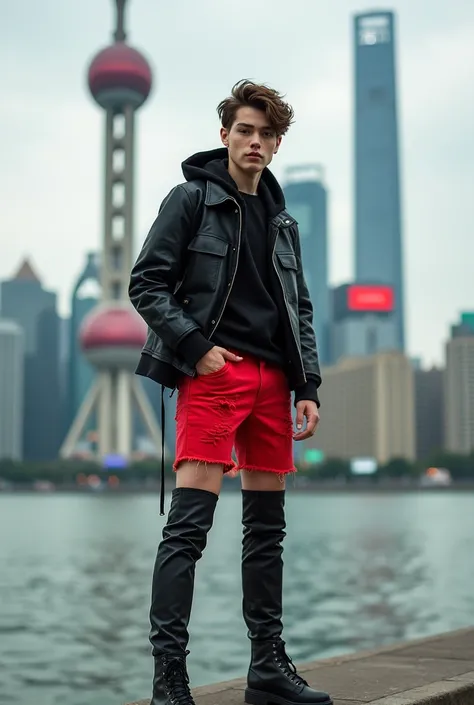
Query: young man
219	282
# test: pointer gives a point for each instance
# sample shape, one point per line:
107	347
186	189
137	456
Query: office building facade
306	201
378	221
11	390
368	407
429	412
459	387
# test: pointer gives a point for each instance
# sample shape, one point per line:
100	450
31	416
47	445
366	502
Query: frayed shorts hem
259	468
228	466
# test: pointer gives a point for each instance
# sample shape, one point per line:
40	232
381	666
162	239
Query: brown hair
248	94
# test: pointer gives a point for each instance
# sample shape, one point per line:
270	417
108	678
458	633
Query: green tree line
67	472
461	467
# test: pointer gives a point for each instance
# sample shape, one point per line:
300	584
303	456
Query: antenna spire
120	34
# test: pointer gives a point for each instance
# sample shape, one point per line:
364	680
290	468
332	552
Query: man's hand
309	410
214	360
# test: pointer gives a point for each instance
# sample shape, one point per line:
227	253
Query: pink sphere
120	75
112	336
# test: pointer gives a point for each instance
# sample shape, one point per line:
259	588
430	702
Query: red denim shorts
245	406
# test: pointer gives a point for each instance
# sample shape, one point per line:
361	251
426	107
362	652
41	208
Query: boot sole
259	697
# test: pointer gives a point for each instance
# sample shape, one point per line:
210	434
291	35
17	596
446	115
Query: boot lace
285	664
176	681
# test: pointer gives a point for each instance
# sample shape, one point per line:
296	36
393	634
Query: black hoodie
251	320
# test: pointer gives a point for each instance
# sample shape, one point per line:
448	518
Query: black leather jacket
185	271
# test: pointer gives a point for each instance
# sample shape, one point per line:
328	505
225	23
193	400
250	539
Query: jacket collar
216	194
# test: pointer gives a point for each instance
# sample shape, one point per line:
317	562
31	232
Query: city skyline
55	219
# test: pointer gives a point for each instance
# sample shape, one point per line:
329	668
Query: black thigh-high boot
272	676
184	539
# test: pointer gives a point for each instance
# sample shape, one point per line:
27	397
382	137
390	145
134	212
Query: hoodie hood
213	166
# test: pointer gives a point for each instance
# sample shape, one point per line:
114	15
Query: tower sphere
113	335
120	75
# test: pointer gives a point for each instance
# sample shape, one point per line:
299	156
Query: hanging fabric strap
162	490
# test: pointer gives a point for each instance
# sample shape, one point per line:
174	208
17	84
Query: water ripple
360	571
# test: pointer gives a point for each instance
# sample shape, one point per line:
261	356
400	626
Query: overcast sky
51	132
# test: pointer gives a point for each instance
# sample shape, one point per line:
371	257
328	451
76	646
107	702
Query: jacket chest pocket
288	267
206	258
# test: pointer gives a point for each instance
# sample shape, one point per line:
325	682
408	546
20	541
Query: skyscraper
306	200
11	386
378	230
362	321
25	301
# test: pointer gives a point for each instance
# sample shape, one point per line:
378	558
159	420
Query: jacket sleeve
309	348
159	268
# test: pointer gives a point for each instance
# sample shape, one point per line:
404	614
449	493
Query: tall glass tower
377	181
26	302
306	201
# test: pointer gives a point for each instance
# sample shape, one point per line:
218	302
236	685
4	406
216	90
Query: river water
361	570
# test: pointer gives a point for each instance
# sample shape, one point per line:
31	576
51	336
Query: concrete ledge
434	671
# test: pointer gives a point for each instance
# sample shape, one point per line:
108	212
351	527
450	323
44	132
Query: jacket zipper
287	308
229	288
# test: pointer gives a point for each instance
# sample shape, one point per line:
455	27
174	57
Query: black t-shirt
251	321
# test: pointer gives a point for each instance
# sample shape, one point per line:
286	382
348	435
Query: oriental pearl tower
113	334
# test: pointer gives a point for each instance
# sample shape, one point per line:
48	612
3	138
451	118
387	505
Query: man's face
252	142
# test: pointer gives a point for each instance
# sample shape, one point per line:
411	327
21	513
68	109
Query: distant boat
436	477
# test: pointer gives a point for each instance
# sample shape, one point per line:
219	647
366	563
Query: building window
374	30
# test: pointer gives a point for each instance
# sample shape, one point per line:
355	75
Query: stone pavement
434	671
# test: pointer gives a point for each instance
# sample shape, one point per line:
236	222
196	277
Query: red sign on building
370	298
